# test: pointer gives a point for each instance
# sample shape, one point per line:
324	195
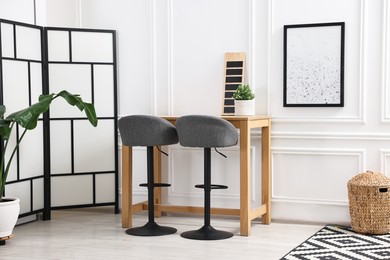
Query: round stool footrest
156	185
213	186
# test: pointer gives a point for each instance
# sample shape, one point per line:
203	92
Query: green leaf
2	111
243	92
29	116
5	129
72	99
91	113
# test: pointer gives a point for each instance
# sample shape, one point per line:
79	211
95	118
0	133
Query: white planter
244	107
9	212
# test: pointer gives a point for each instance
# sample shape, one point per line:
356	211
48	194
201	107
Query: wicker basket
369	203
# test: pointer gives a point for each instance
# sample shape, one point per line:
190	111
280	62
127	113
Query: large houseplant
27	118
244	103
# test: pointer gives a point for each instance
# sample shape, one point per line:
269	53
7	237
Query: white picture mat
313	65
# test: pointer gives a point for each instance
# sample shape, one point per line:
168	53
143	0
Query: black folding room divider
65	162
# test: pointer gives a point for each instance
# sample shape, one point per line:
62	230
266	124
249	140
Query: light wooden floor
96	233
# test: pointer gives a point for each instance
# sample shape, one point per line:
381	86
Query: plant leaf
29	116
91	113
72	99
2	111
5	129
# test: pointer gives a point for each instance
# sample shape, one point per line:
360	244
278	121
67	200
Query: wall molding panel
319	161
360	117
331	136
385	157
385	63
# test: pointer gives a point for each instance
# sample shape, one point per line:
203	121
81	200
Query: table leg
127	186
245	205
266	173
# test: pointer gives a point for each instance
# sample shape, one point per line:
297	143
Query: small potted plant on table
27	119
244	103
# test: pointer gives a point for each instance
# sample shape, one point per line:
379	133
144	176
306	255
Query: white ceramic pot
244	107
9	212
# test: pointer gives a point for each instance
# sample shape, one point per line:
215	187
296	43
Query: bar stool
149	131
206	132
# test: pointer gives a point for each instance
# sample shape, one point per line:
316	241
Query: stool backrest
205	131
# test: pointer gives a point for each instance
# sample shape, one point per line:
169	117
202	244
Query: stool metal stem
150	173
151	228
207	232
207	186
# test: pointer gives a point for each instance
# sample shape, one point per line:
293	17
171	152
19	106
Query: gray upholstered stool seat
206	132
149	131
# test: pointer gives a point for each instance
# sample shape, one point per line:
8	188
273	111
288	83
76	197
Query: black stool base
151	229
207	233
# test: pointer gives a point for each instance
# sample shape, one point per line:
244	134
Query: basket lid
369	178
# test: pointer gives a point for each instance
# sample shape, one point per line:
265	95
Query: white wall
170	56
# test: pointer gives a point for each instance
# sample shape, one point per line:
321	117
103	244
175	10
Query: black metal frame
114	117
46	121
29	61
285	63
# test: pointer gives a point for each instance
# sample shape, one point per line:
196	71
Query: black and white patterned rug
339	243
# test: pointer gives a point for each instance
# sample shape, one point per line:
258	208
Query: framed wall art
314	65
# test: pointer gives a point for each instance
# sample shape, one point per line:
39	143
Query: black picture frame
313	62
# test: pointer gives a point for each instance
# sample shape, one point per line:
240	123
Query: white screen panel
105	188
22	191
36	81
73	78
38	194
92	47
60	147
12	173
28	43
15	84
31	153
71	190
7	40
104	90
58	45
94	146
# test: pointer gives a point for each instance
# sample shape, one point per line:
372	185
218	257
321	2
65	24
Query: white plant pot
9	212
244	107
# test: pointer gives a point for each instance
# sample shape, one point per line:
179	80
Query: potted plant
244	102
27	118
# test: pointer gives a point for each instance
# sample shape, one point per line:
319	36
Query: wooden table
246	212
